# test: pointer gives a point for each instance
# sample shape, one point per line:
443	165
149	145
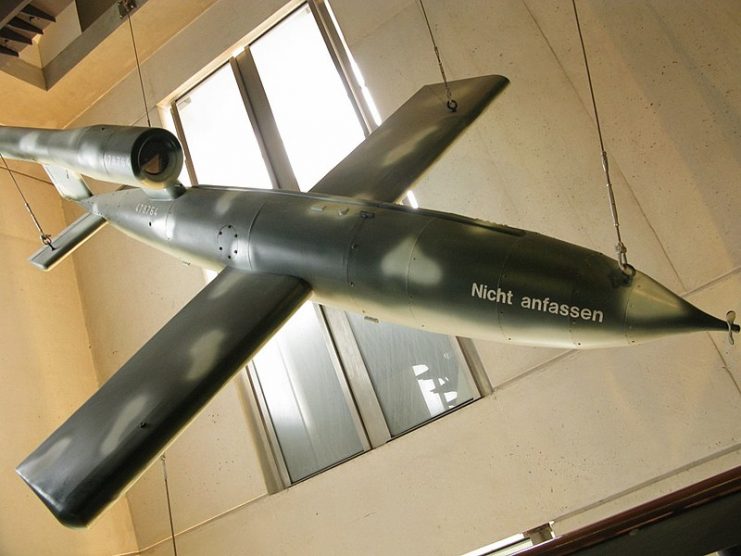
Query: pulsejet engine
142	157
345	242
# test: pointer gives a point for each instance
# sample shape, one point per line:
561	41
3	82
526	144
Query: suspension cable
45	238
451	103
163	458
620	248
128	9
127	6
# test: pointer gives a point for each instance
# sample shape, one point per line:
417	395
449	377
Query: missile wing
386	164
107	443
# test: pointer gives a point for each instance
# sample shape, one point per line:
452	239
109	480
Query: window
330	385
516	543
309	406
415	375
307	97
222	143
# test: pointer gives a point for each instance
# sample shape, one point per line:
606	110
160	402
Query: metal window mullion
267	420
341	378
339	55
239	79
265	125
271	462
475	370
358	377
189	166
303	410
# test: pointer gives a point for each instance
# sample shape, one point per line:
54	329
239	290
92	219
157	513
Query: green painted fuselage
426	269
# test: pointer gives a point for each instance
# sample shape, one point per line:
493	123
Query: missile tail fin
65	243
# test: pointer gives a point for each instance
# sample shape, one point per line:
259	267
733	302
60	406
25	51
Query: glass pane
416	375
315	117
220	137
307	407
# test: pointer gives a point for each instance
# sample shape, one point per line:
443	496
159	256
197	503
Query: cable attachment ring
732	327
46	240
451	104
622	257
627	269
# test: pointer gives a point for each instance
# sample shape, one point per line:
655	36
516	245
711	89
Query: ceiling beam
33	11
24	25
11	8
8	51
83	45
7	33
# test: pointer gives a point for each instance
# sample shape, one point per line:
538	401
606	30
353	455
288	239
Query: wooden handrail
689	499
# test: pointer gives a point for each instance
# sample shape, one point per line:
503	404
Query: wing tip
91	459
66	515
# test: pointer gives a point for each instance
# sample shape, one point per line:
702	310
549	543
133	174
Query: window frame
345	354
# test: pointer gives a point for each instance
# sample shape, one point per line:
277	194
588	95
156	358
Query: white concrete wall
47	373
566	436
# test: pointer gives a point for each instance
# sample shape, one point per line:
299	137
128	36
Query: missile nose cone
653	310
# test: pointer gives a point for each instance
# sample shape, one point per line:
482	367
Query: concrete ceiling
23	21
154	24
10	8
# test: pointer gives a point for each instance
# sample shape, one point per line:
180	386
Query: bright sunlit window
221	141
304	396
358	74
416	375
315	117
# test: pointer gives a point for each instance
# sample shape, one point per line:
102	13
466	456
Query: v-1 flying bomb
344	241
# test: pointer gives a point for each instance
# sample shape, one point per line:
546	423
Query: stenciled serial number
146	209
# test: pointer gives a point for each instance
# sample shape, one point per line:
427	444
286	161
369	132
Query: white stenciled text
539	304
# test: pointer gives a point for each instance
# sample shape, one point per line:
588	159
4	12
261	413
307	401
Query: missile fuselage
421	268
